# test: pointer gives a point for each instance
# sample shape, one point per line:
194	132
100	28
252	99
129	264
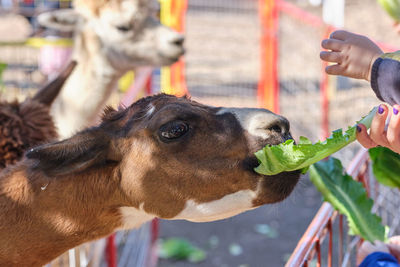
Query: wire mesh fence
301	79
222	39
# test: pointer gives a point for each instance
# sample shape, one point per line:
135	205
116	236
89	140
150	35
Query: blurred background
239	53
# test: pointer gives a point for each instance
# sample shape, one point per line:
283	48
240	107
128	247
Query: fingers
335	69
395	240
363	137
332	44
394	246
395	251
368	248
341	35
393	131
331	56
377	133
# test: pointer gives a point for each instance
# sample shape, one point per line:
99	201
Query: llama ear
64	20
47	94
76	154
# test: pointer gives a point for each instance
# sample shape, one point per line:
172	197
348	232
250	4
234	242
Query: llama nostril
279	126
275	128
178	40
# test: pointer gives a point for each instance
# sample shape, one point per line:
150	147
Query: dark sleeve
379	259
385	80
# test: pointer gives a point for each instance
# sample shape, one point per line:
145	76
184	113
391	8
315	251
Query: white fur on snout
134	218
257	123
228	206
254	121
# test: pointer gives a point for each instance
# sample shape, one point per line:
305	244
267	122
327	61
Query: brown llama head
175	158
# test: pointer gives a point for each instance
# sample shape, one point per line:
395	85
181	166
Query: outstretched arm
352	54
356	56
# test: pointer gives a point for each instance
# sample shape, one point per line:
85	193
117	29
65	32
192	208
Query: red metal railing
321	226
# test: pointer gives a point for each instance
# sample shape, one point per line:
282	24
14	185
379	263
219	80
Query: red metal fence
328	228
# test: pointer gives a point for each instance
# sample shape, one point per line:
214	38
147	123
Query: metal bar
330	248
319	223
318	250
111	251
340	240
304	246
324	89
268	86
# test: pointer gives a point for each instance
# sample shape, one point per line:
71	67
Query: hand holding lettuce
339	189
290	157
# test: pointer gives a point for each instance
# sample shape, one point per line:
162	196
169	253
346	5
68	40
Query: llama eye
173	130
124	28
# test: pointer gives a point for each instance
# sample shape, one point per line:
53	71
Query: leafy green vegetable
385	166
3	66
349	198
181	249
392	7
290	157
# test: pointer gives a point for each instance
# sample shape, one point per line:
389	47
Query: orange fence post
268	87
173	14
325	93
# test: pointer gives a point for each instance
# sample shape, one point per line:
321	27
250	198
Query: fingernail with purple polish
380	110
395	111
358	129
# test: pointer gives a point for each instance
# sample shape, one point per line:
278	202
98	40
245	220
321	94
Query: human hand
392	247
353	54
396	26
368	248
379	135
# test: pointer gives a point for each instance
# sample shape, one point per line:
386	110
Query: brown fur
70	192
28	124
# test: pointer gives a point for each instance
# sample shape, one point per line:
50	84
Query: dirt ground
289	218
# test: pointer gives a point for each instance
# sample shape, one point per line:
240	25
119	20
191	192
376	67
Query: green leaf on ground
266	230
213	242
349	198
180	249
3	66
235	249
385	166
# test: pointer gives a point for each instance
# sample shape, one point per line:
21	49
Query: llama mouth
250	163
173	57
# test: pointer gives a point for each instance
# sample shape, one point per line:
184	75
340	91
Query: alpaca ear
64	20
76	154
47	94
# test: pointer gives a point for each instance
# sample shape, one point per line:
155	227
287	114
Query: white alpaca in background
111	37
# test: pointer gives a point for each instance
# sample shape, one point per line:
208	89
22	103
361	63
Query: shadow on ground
222	239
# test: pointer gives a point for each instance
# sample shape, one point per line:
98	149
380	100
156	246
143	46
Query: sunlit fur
111	38
124	172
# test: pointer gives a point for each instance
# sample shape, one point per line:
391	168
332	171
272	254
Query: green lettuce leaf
3	66
385	166
392	7
181	249
289	156
349	198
